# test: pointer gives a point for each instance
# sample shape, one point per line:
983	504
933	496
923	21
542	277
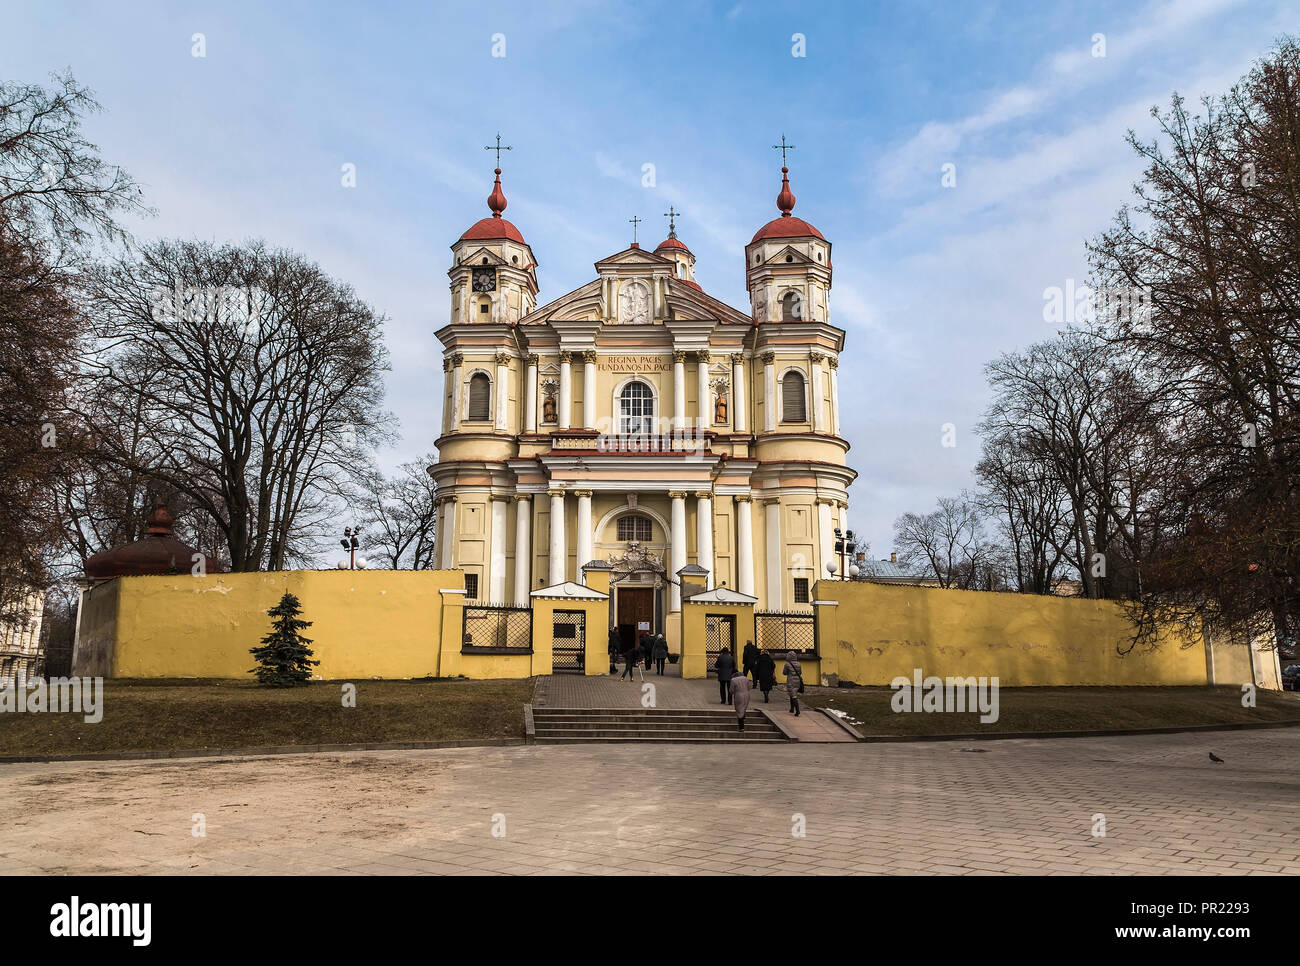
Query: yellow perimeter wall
884	632
405	624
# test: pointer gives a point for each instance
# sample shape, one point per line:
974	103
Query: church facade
641	426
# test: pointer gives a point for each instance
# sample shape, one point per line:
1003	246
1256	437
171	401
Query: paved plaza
962	808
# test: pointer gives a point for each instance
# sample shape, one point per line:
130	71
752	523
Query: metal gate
780	631
568	641
719	635
497	626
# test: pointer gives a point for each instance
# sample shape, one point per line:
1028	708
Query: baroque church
639	425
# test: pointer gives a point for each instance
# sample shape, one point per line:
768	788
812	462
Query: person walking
793	680
740	696
615	646
766	671
726	664
647	650
629	662
749	660
660	652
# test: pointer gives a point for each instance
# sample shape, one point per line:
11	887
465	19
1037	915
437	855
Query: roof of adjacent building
889	570
157	552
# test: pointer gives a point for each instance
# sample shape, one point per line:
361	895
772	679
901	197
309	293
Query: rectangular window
471	586
801	590
633	528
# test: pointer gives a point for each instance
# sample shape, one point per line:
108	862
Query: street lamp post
351	543
845	544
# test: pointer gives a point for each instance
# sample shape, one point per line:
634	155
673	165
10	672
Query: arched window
791	307
793	409
480	398
633	527
636	409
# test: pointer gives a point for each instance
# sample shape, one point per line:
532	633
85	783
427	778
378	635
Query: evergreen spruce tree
284	659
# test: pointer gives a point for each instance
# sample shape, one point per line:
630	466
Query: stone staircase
576	725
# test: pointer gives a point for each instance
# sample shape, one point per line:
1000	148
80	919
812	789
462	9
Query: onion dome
787	226
157	552
495	227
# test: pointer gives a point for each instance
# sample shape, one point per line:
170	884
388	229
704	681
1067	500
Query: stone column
566	390
744	546
704	533
558	551
702	391
447	395
497	561
454	422
588	395
818	417
530	403
834	363
502	391
738	418
825	539
679	391
584	529
774	574
769	391
447	531
523	548
676	547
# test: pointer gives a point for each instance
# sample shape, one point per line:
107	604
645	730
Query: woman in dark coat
615	646
793	680
765	668
660	652
726	664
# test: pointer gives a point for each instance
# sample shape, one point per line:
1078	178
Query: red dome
673	243
787	226
157	552
493	228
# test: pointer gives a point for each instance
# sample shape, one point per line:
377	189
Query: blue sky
930	282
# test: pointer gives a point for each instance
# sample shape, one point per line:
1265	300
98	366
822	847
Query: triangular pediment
475	258
581	303
569	591
686	302
789	255
633	256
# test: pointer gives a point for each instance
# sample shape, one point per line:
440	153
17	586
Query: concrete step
568	725
634	738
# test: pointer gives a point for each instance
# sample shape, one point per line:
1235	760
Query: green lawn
165	715
1065	709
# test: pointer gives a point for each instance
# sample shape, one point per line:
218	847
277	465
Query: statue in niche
634	304
548	407
720	408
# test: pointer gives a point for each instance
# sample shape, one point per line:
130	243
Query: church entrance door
636	607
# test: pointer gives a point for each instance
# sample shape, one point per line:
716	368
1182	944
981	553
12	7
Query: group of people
651	650
759	668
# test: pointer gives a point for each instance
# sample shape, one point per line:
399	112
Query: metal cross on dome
671	214
634	221
498	148
783	147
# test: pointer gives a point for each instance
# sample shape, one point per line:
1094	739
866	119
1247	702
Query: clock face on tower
485	280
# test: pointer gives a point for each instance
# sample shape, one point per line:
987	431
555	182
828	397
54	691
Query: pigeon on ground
1214	757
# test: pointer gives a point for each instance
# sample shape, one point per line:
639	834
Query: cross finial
634	221
671	214
783	147
498	148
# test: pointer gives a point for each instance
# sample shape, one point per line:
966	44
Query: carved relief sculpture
634	304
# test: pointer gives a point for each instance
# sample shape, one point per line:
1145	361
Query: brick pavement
991	807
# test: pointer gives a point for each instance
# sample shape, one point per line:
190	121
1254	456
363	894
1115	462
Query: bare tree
950	541
1215	244
399	516
259	377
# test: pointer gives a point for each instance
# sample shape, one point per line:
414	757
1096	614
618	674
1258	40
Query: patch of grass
171	715
1065	709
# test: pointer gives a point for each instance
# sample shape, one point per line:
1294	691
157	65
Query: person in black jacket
615	646
765	668
749	661
725	666
660	652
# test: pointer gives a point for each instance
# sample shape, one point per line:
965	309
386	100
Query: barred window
636	409
633	528
471	586
480	397
793	409
801	590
